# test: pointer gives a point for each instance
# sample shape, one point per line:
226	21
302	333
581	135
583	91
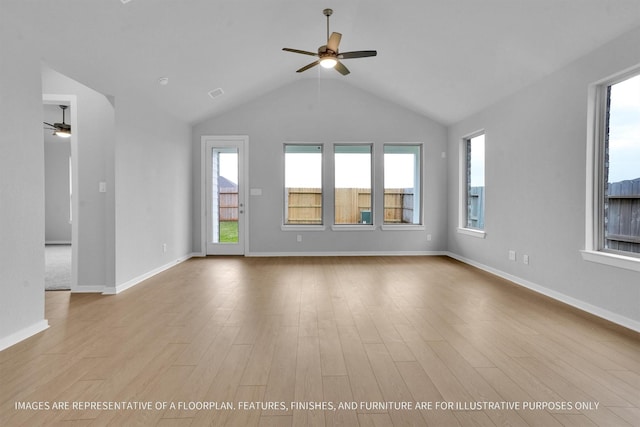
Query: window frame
419	191
463	188
597	133
303	227
356	226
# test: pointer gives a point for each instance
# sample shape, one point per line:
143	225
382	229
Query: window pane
303	184
475	182
353	184
402	184
622	168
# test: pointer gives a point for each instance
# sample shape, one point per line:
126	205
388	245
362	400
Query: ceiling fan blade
49	124
304	52
357	54
341	68
306	67
334	41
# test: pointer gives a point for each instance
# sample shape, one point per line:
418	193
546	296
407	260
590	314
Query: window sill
303	227
353	227
480	234
408	227
613	260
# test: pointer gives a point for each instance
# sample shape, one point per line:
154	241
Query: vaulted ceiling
445	59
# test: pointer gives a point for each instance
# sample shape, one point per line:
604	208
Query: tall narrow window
303	184
352	184
474	179
402	186
620	169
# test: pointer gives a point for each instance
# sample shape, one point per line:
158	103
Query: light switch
255	191
102	187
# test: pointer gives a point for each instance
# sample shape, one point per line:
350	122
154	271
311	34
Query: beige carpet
57	267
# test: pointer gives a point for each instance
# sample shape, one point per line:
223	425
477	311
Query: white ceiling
445	59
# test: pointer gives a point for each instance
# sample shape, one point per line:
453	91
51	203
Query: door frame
72	102
243	141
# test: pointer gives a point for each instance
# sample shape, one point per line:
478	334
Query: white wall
154	186
153	190
325	111
56	180
535	188
21	188
94	131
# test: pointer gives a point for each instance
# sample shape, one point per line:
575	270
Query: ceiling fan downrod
327	13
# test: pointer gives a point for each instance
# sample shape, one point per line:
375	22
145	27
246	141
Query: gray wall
535	186
326	111
95	134
151	151
153	189
56	179
21	188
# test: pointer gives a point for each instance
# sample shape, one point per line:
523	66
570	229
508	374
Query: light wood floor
366	331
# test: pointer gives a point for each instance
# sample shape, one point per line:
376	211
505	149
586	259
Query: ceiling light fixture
328	62
328	54
62	130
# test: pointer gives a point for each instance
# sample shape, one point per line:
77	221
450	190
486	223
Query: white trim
480	234
23	334
353	227
584	306
462	180
136	280
596	128
347	254
592	158
613	260
297	227
243	140
408	227
72	101
98	289
57	242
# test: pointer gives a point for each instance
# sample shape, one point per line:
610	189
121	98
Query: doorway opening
61	185
224	195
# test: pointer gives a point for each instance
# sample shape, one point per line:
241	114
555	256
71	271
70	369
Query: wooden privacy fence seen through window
228	204
622	206
304	205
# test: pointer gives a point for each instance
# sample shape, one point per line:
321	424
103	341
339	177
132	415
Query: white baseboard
584	306
130	283
23	334
344	254
88	290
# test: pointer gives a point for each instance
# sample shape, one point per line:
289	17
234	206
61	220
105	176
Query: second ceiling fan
329	56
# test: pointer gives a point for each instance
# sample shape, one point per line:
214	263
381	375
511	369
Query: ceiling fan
329	56
62	130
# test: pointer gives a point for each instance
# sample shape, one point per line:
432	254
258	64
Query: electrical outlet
299	238
164	247
512	255
428	237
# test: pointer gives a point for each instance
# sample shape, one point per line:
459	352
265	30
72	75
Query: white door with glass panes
224	194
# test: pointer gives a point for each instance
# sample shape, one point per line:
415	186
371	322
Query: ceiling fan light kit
63	130
329	56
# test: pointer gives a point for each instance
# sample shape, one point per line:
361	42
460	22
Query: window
352	166
402	190
619	166
303	184
474	195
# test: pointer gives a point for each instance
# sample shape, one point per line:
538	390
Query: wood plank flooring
369	341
